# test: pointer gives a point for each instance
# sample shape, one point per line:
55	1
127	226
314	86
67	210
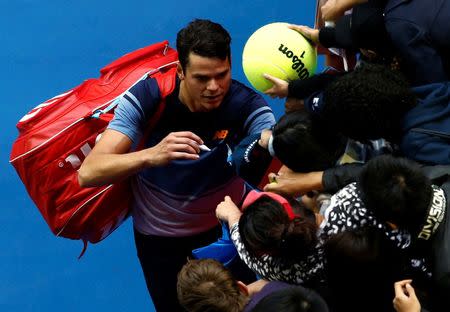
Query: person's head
206	285
368	103
304	144
272	224
292	299
361	266
205	64
396	191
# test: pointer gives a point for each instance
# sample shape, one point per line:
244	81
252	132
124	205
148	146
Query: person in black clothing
398	192
362	257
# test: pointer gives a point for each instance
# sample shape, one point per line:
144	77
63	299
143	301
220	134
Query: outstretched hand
294	183
228	211
279	88
176	145
308	32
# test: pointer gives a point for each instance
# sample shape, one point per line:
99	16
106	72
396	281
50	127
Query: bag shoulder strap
166	79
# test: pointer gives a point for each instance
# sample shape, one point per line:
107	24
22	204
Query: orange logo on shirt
220	135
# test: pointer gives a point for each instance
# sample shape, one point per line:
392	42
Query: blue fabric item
426	127
223	250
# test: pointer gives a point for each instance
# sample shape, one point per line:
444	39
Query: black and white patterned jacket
345	212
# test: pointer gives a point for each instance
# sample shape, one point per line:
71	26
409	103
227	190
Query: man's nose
212	85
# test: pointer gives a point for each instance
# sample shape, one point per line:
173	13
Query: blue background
48	47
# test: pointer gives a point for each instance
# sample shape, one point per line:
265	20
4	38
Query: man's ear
180	72
243	288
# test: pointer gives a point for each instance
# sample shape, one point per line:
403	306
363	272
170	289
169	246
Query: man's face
204	83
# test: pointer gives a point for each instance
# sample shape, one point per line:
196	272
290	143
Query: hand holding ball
279	51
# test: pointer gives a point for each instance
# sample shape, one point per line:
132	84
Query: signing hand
176	145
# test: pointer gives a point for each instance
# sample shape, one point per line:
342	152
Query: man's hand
111	161
405	297
227	211
176	145
279	88
308	32
294	183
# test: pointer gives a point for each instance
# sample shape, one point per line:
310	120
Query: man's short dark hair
304	144
368	103
204	38
396	190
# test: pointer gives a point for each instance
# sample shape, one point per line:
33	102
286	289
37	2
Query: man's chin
211	104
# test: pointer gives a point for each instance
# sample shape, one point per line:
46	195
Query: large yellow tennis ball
279	51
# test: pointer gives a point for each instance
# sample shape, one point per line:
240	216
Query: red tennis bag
55	137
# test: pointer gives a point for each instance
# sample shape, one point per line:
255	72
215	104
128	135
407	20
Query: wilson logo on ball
297	63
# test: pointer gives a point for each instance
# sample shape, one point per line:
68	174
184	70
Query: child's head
206	285
368	103
271	224
304	145
396	191
292	299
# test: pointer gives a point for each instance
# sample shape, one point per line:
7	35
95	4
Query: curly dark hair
368	103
